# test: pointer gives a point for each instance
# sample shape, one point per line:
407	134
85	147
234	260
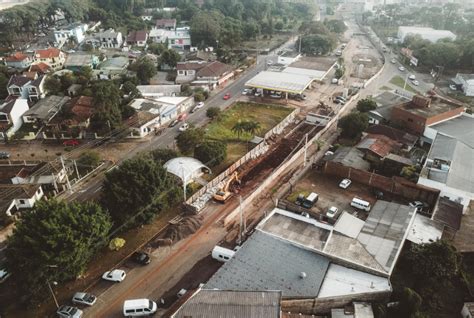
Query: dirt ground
331	195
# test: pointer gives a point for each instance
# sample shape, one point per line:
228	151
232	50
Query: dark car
4	155
174	123
141	258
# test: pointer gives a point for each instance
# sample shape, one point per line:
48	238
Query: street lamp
55	284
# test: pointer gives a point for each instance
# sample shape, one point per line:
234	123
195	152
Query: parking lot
330	194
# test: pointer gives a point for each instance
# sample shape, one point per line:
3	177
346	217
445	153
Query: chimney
421	101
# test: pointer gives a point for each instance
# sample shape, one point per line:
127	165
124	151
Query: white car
116	275
401	69
269	63
198	106
332	212
412	77
84	299
415	82
69	312
184	127
335	81
345	183
453	87
246	91
393	61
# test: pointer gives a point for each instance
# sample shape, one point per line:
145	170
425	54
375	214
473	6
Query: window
130	311
22	201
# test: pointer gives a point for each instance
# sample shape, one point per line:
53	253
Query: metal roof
46	108
265	262
280	81
341	281
314	74
231	304
424	230
184	167
460	127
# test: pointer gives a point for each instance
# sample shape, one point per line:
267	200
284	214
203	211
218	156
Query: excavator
223	194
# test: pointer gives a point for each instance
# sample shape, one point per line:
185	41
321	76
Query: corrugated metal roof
280	81
231	304
265	262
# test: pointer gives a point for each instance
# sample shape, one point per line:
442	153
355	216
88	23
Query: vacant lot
400	82
267	116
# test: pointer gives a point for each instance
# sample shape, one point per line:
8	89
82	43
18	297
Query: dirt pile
187	226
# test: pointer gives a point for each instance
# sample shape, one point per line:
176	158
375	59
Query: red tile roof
190	65
137	36
40	67
48	53
16	57
165	23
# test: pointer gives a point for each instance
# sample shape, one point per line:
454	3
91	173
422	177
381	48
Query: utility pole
65	173
305	149
52	293
77	171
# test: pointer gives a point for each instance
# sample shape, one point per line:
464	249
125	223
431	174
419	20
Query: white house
19	197
429	34
75	31
143	123
11	117
52	56
110	39
466	82
27	88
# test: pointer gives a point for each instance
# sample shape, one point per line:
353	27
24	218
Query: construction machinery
223	194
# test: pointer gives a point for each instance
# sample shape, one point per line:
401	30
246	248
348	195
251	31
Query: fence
252	154
394	185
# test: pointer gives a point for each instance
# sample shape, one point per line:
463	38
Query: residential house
407	140
201	56
158	35
167	107
166	24
110	39
75	62
156	91
40	68
466	83
376	147
179	39
448	213
385	102
72	121
10	117
75	31
52	56
143	123
112	67
467	310
18	197
420	112
43	112
226	303
449	167
19	60
350	157
137	38
213	74
21	86
186	71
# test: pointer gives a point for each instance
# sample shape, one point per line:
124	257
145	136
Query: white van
139	307
310	200
361	204
222	254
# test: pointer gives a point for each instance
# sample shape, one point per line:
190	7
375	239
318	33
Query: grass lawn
385	88
263	44
267	115
400	82
235	151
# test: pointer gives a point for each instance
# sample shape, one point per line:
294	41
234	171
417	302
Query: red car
71	142
227	96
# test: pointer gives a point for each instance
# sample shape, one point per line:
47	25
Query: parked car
198	106
301	96
412	77
339	101
415	82
331	213
418	205
226	96
300	199
340	97
338	53
71	142
258	93
173	123
184	127
246	91
69	312
345	183
84	299
393	61
275	95
4	155
116	275
335	81
141	258
453	87
401	69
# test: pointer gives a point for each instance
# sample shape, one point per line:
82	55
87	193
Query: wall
453	194
412	122
394	185
444	116
324	305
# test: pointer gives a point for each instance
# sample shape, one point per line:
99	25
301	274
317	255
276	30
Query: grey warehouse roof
460	127
45	109
280	81
265	262
231	304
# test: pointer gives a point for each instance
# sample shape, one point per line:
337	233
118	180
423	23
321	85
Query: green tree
88	160
316	44
163	154
189	139
336	26
137	190
52	85
199	97
353	125
366	104
213	112
409	304
107	99
145	69
54	242
3	86
211	152
205	28
170	57
410	173
239	128
156	48
251	127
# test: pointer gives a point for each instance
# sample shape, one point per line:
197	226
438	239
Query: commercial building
429	34
75	31
466	83
280	81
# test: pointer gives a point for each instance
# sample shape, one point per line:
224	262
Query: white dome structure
185	168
